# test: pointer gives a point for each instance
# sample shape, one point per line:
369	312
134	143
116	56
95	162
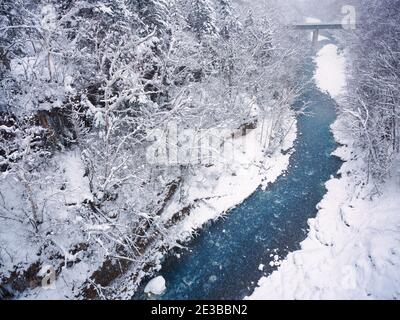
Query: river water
223	261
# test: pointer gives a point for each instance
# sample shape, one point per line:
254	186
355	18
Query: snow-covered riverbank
352	250
209	193
204	194
217	189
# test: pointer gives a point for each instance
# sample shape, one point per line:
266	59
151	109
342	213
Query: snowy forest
129	127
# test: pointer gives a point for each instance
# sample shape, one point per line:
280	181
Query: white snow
330	73
223	186
312	20
321	38
156	286
77	184
105	9
59	197
352	250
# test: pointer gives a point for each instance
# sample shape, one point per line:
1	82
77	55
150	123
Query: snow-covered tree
374	99
200	17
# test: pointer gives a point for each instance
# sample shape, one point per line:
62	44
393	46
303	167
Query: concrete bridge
316	27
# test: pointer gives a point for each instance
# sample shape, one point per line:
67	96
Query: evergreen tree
201	18
226	22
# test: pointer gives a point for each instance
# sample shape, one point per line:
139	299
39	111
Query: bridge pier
315	37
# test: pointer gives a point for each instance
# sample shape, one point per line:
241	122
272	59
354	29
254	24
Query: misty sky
297	10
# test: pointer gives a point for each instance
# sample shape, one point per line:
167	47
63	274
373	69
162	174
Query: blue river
223	261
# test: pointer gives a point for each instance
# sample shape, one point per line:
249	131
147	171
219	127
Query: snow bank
330	74
352	250
217	189
156	286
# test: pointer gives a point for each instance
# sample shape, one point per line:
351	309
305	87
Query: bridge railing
316	27
323	26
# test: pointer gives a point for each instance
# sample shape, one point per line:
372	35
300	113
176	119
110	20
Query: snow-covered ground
225	185
59	202
353	248
330	71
